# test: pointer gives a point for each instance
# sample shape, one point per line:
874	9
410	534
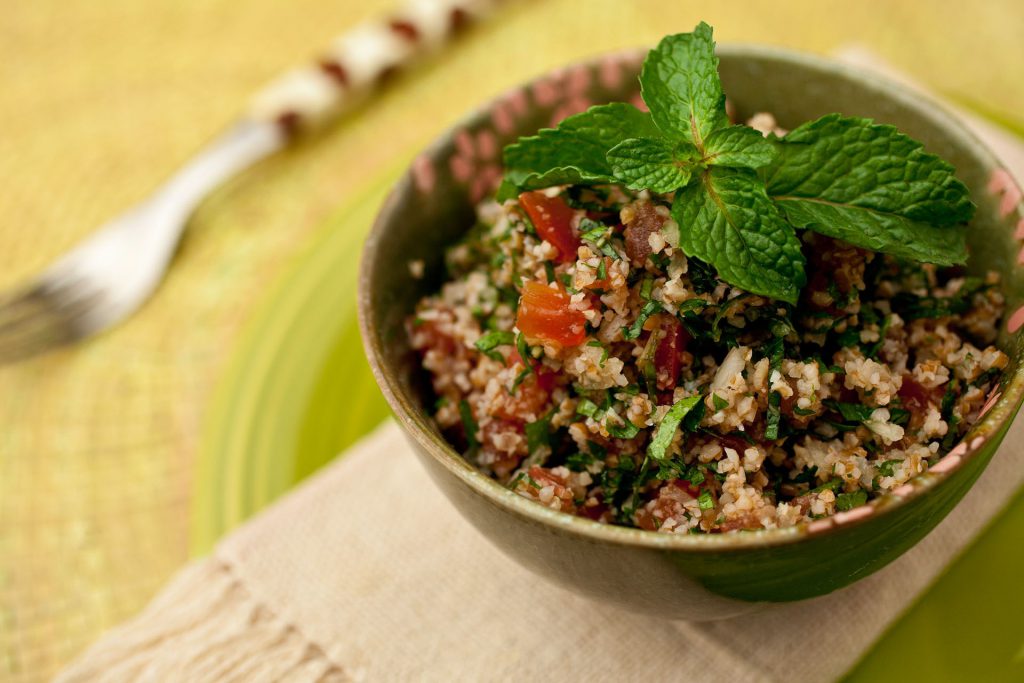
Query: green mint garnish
574	152
653	164
738	147
871	186
668	426
741	197
727	219
680	85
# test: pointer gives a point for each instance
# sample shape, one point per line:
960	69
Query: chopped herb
649	309
588	408
774	350
848	337
668	426
523	374
771	430
848	501
599	345
549	272
645	288
468	425
886	468
830	485
626	431
602	270
719	402
524	351
488	342
702	276
592	231
851	412
911	307
803	412
538	433
899	416
696	476
705	501
660	261
579	462
806	475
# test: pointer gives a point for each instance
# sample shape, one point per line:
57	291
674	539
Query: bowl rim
417	426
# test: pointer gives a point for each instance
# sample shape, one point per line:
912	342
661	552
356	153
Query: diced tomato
553	219
687	486
917	397
544	316
737	443
667	358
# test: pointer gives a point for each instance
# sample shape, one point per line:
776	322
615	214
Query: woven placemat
102	100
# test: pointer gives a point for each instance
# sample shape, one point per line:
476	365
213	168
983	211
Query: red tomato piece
553	219
544	316
687	486
667	359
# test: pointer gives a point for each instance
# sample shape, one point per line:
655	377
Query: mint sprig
680	85
576	151
872	186
653	164
844	177
734	226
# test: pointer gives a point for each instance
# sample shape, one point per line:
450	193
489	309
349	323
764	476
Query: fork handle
361	60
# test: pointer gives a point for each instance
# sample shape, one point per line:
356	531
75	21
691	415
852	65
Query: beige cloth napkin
365	572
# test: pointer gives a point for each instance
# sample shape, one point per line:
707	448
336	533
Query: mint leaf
872	186
653	164
680	85
575	151
668	426
738	146
882	232
728	221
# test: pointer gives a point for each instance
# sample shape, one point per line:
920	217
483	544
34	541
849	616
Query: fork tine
21	305
38	338
53	322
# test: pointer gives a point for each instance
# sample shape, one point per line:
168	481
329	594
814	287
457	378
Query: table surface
106	477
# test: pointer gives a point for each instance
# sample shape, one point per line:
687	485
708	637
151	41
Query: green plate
299	391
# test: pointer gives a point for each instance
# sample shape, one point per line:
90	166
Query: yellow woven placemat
100	100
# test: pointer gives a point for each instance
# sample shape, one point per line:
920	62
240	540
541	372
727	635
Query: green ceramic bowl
686	576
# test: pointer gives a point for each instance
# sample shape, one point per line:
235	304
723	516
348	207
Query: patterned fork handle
361	60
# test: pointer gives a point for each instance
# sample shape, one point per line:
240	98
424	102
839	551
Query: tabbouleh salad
710	327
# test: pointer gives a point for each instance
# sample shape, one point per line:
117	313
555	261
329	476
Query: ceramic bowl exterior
686	576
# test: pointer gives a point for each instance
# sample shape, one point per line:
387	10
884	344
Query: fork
109	275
